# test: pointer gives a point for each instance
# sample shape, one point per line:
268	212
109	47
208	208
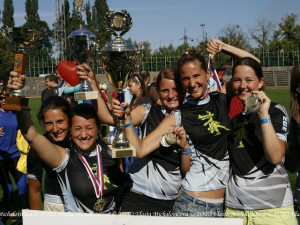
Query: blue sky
163	22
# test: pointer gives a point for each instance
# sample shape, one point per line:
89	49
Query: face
84	133
2	100
134	88
194	78
56	124
244	80
168	94
48	83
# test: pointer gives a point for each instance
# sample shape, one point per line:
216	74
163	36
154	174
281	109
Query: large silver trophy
83	49
119	60
21	38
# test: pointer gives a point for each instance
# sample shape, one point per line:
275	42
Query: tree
6	57
99	11
41	47
262	32
233	35
8	14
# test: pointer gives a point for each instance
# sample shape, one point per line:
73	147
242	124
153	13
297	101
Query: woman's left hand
265	104
85	72
181	138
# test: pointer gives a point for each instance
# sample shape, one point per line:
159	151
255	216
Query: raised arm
152	141
214	46
104	114
50	153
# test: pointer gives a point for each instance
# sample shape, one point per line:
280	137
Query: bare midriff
208	194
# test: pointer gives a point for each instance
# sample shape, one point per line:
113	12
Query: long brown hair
144	93
295	96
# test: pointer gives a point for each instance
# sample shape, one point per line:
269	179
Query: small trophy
20	38
83	49
253	104
119	60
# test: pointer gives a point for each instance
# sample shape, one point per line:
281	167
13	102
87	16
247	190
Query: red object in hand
114	95
68	71
236	107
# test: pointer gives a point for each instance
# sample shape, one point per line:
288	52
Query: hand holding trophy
83	49
20	38
119	60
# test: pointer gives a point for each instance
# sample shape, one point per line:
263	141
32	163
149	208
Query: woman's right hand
214	46
15	81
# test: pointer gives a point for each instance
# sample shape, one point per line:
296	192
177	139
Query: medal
168	139
252	103
97	181
99	205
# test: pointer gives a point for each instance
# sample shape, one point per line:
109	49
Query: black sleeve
34	166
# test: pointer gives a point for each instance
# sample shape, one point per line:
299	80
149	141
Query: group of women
217	162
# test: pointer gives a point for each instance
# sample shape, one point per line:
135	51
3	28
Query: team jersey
8	146
35	168
207	125
158	174
294	141
255	183
77	188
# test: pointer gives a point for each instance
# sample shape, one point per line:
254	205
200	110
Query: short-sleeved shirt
77	188
156	175
255	183
207	125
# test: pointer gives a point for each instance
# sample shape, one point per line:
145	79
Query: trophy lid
118	45
82	33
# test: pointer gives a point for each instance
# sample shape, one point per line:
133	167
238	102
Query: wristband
128	124
186	152
265	120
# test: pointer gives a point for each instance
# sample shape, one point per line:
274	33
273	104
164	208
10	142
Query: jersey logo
241	135
106	178
213	126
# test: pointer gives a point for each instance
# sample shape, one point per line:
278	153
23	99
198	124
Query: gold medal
99	205
252	103
168	139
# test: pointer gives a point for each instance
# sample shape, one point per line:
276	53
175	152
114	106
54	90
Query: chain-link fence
39	66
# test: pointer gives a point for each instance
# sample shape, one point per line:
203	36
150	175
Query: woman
292	156
9	157
90	180
259	189
157	176
205	158
57	125
137	88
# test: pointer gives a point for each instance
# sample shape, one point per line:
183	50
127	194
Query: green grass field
276	95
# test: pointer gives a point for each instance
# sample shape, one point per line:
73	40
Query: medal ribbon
213	72
97	180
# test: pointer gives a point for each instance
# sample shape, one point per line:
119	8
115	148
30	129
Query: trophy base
79	96
121	152
14	103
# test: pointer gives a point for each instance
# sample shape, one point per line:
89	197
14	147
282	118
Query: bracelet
186	152
265	120
128	124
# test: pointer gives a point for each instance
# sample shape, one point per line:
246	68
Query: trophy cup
83	49
20	38
119	59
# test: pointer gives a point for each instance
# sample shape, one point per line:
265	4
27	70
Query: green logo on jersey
241	134
213	126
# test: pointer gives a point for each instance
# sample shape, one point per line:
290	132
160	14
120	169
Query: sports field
279	95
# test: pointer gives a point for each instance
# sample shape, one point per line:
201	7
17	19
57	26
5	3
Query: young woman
259	189
57	125
89	179
292	156
205	158
137	88
9	157
157	176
